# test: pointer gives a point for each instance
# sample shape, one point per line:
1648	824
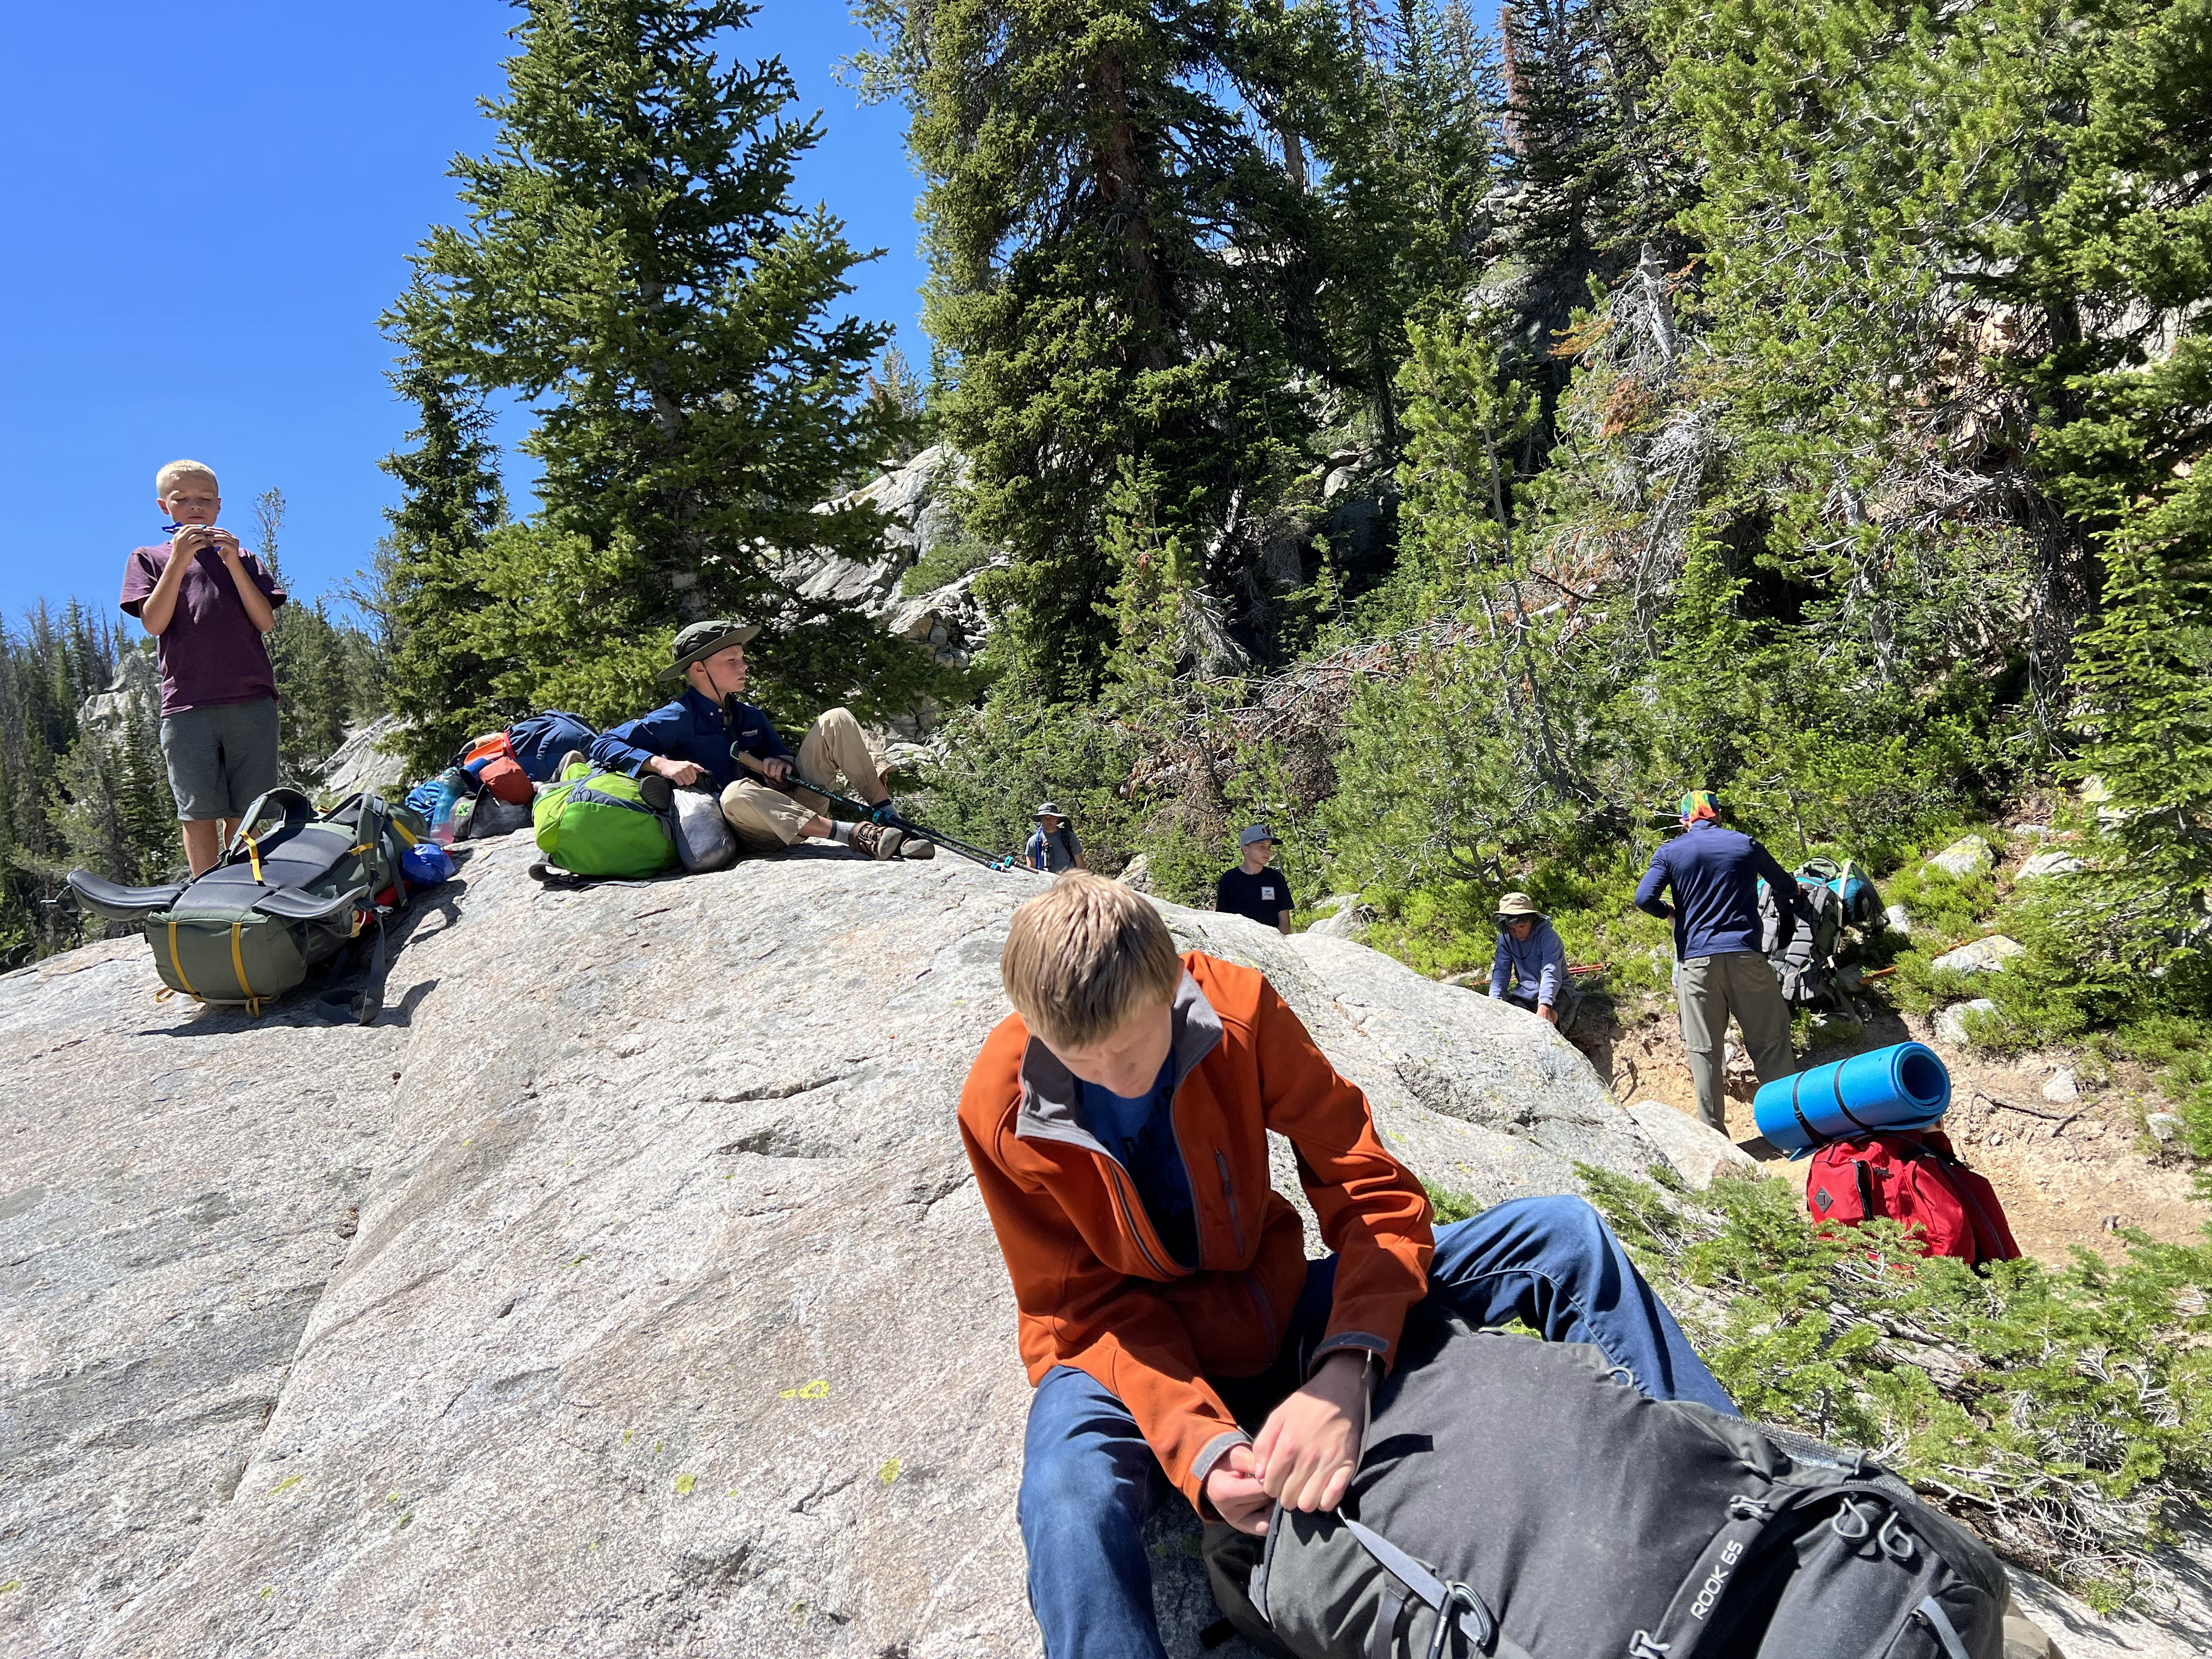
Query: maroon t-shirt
211	653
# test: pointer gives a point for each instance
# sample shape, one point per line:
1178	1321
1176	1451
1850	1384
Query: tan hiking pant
1707	990
767	820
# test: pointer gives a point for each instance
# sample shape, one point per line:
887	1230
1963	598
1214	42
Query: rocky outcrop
622	1289
917	501
138	683
367	759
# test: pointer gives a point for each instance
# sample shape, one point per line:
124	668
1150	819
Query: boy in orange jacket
1117	1124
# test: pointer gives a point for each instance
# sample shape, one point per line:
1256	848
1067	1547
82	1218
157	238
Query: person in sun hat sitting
1530	968
694	741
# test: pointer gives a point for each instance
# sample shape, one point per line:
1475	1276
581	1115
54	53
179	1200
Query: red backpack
1912	1177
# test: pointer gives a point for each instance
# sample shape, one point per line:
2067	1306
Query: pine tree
451	499
1123	250
634	262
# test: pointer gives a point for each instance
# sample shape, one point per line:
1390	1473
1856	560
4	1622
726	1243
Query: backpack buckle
1641	1646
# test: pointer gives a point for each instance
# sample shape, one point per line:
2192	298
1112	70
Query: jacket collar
1052	1099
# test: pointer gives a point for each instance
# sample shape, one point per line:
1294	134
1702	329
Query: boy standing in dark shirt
208	604
1252	889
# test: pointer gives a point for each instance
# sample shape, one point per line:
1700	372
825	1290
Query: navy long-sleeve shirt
1714	873
691	729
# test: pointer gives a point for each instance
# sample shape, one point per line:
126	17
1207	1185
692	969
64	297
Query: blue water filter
1906	1086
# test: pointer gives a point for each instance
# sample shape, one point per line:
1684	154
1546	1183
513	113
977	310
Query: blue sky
211	205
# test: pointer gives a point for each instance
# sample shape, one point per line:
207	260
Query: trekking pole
879	815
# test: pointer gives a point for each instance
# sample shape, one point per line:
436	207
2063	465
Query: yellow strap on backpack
238	961
252	851
178	962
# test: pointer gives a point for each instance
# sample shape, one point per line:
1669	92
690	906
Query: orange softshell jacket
1096	1288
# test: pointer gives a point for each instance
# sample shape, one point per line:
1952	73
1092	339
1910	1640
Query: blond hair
1084	956
176	472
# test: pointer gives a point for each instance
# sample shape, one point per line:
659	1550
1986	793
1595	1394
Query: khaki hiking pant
1707	990
767	820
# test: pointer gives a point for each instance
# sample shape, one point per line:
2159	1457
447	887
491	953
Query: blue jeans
1089	1479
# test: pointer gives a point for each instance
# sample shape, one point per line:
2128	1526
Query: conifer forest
1446	433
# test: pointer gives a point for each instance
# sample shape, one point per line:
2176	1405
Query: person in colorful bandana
1712	873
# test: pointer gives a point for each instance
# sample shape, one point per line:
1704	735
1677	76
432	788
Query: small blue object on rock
425	864
1905	1086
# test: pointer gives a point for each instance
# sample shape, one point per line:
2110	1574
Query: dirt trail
2069	1173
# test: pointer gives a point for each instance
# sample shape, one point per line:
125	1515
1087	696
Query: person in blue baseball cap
1252	889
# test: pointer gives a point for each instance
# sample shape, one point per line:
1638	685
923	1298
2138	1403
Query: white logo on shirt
1267	892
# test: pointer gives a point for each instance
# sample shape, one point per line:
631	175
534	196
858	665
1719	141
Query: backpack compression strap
1452	1603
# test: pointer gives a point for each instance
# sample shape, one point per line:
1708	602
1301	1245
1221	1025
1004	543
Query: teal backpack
591	822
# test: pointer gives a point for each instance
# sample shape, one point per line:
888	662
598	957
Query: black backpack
1521	1499
1807	965
291	891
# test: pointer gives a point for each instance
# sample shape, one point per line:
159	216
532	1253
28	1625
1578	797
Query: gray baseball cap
1254	832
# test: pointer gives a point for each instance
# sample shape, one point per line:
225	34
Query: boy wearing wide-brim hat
1054	847
693	742
1530	967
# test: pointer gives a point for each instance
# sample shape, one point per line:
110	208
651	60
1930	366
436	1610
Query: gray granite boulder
1969	855
623	1289
1951	1022
1982	956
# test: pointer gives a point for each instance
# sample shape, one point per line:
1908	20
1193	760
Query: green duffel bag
597	823
290	892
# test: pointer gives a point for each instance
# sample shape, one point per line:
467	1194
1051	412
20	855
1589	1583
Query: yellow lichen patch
817	1389
685	1483
285	1485
888	1472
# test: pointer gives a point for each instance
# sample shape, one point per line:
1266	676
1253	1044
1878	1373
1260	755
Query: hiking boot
574	757
877	841
656	792
916	848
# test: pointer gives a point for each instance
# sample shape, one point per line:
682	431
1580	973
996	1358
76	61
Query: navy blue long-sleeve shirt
1714	872
691	729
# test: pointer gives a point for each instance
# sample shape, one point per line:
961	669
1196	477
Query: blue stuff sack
426	864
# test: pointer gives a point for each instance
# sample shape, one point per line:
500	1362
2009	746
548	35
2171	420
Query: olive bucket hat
702	640
1518	904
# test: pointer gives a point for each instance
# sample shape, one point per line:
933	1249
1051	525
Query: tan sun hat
1518	904
700	640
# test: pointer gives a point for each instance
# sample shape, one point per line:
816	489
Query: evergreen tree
634	262
451	499
1123	251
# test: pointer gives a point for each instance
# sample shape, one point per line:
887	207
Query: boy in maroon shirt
208	603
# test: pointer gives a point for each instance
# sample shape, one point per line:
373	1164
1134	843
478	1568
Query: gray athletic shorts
221	758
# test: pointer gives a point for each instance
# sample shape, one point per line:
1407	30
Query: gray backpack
1522	1500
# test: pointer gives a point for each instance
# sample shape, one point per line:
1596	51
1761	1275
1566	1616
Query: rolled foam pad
1902	1087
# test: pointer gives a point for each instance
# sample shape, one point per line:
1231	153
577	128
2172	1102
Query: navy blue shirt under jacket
1714	874
691	729
1138	1130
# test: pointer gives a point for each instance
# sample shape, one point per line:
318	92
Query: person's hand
1235	1492
226	545
681	772
775	770
1309	1449
1549	1014
189	539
